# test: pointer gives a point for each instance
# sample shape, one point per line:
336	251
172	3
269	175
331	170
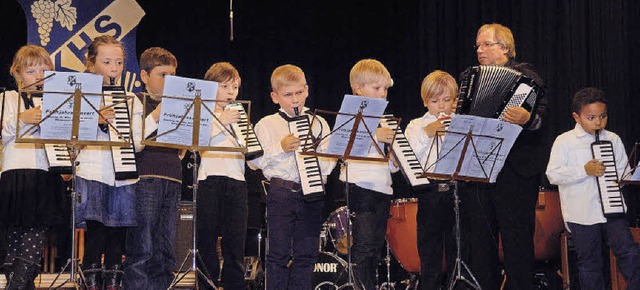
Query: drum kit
331	269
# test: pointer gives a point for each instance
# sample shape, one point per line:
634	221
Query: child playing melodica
369	181
107	205
572	167
293	222
435	215
31	197
223	189
150	245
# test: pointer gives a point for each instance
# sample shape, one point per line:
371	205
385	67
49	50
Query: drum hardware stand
323	237
388	285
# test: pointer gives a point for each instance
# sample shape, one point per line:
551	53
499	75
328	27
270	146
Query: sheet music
492	152
636	174
58	125
362	142
174	109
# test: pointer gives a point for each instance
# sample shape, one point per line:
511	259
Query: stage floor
44	281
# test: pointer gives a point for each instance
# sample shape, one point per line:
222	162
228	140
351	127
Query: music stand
196	104
454	177
73	145
345	156
630	171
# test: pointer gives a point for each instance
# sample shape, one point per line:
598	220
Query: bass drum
329	272
549	227
402	235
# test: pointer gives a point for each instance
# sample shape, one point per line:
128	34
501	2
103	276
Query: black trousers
222	211
369	224
506	209
435	224
101	239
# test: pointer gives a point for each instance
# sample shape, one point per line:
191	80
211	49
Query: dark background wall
573	43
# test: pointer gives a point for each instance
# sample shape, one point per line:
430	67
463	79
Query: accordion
487	91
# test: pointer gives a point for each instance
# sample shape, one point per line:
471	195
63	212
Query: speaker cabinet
184	234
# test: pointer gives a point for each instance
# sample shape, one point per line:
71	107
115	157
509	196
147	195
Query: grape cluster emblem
46	11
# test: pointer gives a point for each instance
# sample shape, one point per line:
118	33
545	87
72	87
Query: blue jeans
293	233
370	214
222	211
150	252
588	241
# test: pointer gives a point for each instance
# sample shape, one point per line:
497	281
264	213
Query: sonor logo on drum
326	268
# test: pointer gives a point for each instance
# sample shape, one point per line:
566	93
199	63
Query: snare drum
338	226
329	272
402	233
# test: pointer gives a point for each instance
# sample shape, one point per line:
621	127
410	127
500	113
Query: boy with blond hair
435	217
150	255
369	181
293	222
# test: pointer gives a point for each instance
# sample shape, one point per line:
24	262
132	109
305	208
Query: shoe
113	278
93	277
23	274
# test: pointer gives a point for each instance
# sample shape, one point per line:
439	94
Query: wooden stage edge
44	281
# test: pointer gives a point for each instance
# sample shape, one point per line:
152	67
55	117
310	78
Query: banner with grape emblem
66	27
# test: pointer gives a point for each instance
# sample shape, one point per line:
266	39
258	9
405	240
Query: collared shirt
96	162
579	197
270	130
423	145
221	163
20	155
372	175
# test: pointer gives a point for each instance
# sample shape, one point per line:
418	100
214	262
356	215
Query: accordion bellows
487	91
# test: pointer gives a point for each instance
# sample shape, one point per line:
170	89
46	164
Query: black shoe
113	278
93	277
23	274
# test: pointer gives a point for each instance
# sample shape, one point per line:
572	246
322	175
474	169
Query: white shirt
421	143
579	198
221	163
96	162
275	162
20	155
372	175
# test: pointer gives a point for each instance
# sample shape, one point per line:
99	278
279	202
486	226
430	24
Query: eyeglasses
485	45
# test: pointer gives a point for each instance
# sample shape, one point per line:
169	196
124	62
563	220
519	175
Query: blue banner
66	27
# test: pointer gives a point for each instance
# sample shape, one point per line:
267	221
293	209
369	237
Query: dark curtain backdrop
573	43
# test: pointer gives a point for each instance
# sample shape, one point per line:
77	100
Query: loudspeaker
184	234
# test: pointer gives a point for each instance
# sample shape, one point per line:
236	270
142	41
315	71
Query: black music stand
453	177
345	156
196	104
73	145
